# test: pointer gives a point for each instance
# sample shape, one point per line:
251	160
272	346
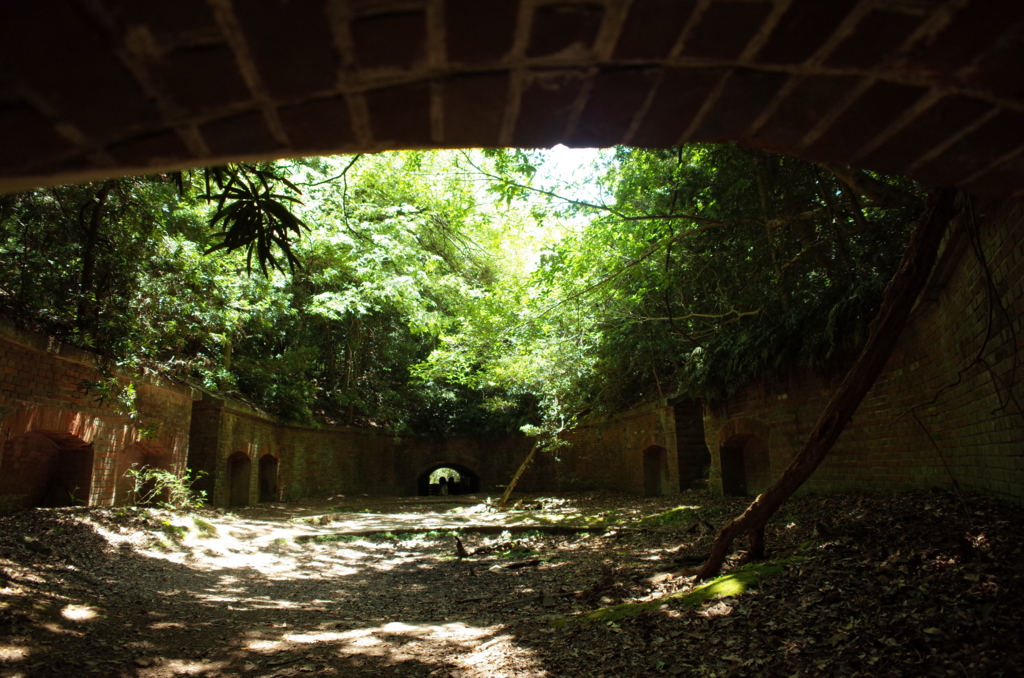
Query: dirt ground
914	584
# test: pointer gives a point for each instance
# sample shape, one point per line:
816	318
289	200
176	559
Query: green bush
158	487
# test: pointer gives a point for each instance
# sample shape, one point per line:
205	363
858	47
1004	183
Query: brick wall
609	454
944	409
42	397
339	460
927	89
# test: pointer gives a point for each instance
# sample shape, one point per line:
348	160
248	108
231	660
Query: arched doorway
467	481
45	468
239	470
655	471
268	478
746	466
138	456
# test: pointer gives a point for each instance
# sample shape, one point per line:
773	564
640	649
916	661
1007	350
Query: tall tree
897	302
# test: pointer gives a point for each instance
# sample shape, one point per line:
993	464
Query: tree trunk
897	302
518	475
92	235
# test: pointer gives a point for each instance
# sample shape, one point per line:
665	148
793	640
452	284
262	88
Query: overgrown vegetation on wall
462	291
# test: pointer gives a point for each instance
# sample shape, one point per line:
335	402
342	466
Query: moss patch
672	517
732	584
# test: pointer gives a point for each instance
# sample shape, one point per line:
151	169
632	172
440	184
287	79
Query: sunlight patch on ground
179	667
78	612
13	653
410	641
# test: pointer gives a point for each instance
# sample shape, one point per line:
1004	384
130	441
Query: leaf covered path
917	584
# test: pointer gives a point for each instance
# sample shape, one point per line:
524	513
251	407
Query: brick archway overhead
95	88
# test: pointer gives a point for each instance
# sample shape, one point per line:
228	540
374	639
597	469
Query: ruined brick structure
947	407
62	446
238	447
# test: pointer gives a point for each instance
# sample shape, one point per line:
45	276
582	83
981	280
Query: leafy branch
255	217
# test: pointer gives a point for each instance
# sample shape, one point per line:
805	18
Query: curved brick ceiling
96	88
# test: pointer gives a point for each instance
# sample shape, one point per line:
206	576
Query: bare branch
711	316
355	158
863	183
595	206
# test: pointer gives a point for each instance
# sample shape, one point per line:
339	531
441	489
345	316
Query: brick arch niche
746	465
267	478
741	459
103	88
239	477
470	480
656	471
139	456
45	468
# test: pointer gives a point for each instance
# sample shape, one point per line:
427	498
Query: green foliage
253	216
205	528
459	291
154	486
694	272
737	582
331	538
176	533
395	244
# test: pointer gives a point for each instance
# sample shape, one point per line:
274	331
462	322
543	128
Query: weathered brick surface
609	454
45	412
479	32
564	26
875	40
100	88
390	40
337	460
940	122
803	29
945	410
866	118
725	29
652	28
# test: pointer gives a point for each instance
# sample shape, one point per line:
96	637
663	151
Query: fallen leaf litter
909	584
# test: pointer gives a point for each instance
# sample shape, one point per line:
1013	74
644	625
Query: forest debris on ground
909	584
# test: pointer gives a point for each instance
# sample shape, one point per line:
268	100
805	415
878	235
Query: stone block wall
946	408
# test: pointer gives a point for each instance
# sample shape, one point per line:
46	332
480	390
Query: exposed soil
918	584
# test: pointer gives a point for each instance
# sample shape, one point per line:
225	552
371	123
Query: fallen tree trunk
897	302
555	530
519	474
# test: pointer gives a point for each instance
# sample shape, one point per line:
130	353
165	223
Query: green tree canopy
463	290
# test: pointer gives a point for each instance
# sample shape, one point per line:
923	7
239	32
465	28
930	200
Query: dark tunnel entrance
268	478
746	466
45	468
458	479
239	470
